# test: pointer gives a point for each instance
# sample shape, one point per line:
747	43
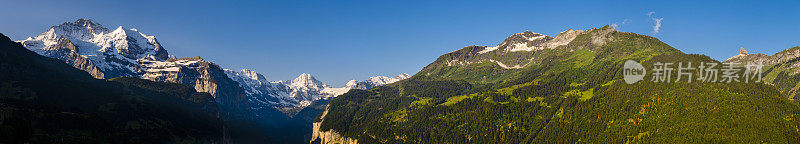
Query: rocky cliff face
525	41
203	75
787	55
319	136
66	51
745	57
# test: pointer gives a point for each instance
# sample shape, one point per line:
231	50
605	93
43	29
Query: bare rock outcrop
319	136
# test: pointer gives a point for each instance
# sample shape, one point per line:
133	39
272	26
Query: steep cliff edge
329	136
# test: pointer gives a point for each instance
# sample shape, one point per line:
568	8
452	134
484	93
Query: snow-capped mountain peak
351	83
249	77
262	93
88	23
308	81
377	81
94	39
112	53
83	29
402	76
254	75
108	53
298	92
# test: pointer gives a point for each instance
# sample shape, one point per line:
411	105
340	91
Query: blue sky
341	40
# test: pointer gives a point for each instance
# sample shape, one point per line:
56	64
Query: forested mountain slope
780	69
568	90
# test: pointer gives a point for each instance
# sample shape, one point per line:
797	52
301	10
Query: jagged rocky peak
81	29
253	75
519	42
351	83
745	57
531	41
63	44
524	37
564	38
787	55
247	78
136	45
308	81
742	51
569	32
602	35
525	41
88	23
94	38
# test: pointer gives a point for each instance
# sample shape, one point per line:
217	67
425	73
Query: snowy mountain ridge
105	53
301	91
113	52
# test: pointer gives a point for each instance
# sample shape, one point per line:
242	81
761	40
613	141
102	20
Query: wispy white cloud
657	27
618	25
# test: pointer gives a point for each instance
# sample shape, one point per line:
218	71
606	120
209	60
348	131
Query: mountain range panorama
531	88
241	95
106	53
